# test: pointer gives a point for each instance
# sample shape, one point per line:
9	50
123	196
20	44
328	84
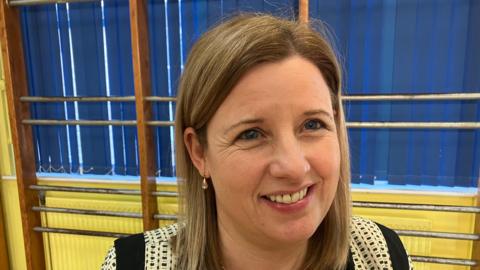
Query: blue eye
313	124
250	134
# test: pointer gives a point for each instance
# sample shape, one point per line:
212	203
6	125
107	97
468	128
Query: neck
240	252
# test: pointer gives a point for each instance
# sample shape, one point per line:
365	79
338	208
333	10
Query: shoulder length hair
216	63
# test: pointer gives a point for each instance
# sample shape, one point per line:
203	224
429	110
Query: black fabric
397	252
350	264
130	252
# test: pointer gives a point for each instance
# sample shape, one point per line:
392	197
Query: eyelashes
249	134
313	124
253	134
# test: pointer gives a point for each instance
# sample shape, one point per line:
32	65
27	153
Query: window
410	47
401	47
85	50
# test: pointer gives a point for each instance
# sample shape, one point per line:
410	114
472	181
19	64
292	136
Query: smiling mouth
288	198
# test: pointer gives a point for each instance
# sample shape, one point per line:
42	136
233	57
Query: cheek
236	176
326	162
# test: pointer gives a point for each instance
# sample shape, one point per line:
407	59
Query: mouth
288	198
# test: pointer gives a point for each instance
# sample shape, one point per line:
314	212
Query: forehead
292	82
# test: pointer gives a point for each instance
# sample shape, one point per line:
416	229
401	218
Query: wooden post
141	72
16	86
303	11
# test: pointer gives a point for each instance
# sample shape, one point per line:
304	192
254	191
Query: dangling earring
204	183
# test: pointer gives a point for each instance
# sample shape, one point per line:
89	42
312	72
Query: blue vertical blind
410	47
173	28
84	49
401	46
81	50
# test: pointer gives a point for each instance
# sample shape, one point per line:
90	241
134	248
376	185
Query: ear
195	150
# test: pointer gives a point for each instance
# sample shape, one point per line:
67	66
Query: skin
273	134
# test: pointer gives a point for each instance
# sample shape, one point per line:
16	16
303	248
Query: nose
289	160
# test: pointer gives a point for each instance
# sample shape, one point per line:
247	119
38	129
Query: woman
262	161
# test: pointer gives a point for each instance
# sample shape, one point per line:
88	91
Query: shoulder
373	244
398	254
136	251
164	234
110	262
159	253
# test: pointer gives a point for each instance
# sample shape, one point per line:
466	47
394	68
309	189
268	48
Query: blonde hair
216	63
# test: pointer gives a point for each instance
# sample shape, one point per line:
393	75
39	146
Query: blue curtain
387	46
408	47
84	49
81	50
173	28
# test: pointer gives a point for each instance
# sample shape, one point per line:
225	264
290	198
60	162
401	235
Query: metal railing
415	125
53	122
411	233
413	97
424	207
440	260
159	216
389	97
389	125
44	2
43	99
100	190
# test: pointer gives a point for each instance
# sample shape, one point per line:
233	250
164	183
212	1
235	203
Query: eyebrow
319	111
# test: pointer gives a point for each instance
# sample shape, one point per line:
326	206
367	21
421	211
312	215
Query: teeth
289	198
295	196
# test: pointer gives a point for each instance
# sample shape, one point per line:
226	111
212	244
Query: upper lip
282	192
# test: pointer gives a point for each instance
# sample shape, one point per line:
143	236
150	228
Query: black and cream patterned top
372	247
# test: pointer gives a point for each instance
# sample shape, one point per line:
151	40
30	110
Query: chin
298	232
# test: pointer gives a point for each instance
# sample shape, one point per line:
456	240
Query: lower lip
292	207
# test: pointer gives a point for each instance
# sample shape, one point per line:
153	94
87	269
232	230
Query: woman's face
273	154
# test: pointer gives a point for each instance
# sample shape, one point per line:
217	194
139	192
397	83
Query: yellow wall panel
73	251
76	252
424	221
13	224
87	252
64	249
